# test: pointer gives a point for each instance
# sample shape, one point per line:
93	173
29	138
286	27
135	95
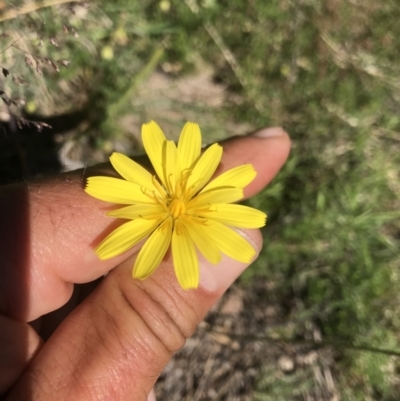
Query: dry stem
28	8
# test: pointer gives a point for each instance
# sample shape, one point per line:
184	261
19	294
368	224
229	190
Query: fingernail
220	276
271	132
151	396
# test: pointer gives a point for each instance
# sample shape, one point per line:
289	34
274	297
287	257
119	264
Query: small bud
120	36
107	53
164	5
30	107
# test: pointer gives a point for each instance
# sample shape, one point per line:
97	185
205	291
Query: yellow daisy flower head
179	207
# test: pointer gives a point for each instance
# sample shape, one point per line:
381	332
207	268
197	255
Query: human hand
106	338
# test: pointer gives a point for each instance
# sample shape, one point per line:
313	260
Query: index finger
50	228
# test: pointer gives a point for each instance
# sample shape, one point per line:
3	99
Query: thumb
117	342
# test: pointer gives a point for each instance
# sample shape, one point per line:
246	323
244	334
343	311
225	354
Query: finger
116	343
55	227
19	343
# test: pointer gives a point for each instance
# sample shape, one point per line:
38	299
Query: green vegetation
326	71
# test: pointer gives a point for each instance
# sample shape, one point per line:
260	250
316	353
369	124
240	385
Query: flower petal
235	215
202	240
238	177
115	190
189	145
153	140
141	211
125	237
221	195
230	242
204	168
153	251
132	171
186	262
169	158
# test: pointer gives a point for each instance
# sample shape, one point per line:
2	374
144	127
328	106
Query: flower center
177	207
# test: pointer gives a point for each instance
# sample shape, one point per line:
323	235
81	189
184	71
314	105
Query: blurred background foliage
327	71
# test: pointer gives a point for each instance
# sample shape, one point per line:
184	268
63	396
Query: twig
362	61
28	8
12	44
150	66
318	344
387	134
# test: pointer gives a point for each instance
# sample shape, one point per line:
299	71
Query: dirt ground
224	360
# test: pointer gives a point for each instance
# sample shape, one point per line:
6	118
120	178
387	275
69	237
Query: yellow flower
179	208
